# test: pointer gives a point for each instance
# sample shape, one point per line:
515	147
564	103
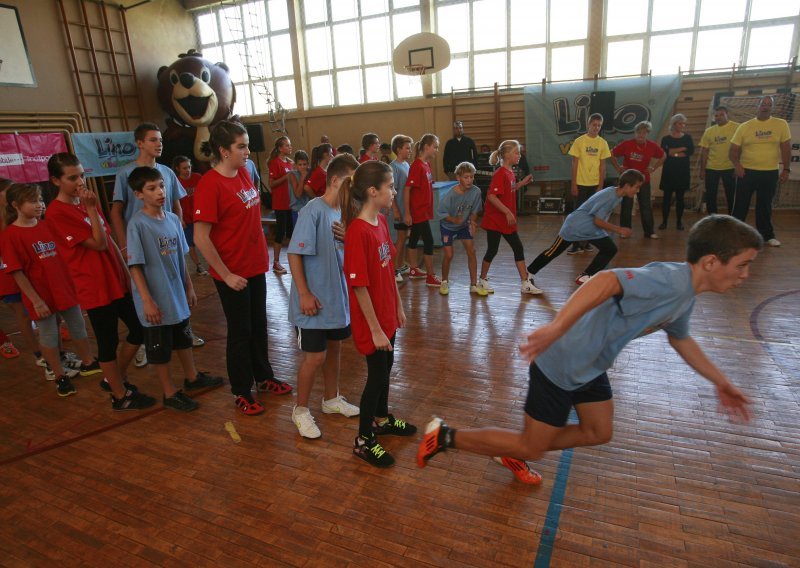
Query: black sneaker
91	369
133	400
372	452
394	427
64	386
179	401
203	380
107	387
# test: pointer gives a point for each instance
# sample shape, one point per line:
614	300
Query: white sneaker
140	360
773	242
654	236
197	342
476	289
51	376
41	362
529	288
339	405
484	283
582	279
398	277
305	423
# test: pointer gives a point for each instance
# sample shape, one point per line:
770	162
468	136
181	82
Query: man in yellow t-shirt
589	153
715	164
757	147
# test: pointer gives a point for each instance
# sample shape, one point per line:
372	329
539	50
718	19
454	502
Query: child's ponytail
349	206
426	140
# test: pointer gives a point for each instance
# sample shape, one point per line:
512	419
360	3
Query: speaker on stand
255	132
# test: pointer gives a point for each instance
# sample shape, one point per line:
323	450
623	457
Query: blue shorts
188	232
12	298
449	236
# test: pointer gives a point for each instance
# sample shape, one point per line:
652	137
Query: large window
252	39
663	36
511	42
348	48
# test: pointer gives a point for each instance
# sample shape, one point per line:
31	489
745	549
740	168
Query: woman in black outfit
677	146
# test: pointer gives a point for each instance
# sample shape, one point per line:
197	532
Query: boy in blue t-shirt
458	218
319	306
570	355
162	290
589	223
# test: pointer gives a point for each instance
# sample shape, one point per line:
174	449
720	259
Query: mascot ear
223	66
161	70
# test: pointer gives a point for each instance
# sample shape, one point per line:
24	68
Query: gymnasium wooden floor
678	486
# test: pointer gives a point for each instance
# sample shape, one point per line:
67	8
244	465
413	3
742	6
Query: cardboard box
551	205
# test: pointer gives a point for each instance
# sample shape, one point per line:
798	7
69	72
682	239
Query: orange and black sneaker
521	470
433	442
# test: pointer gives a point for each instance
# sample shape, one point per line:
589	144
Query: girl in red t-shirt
370	147
321	156
9	291
375	308
280	168
500	215
33	259
418	201
228	233
100	274
182	166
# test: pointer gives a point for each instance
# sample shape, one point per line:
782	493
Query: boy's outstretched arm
597	290
732	400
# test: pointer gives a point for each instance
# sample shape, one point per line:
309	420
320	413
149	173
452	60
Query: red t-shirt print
502	186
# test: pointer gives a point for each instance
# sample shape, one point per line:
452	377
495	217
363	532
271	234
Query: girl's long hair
353	192
426	140
277	149
19	193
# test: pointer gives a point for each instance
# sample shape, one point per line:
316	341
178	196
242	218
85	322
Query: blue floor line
548	537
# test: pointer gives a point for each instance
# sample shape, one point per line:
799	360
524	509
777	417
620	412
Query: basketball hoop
415	71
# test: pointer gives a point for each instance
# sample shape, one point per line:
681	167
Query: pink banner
23	157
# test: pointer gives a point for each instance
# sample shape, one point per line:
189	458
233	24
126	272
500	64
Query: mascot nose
187	80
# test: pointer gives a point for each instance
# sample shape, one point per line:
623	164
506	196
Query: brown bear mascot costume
196	94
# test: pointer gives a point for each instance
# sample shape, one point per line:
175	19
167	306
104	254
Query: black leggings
246	353
104	320
493	243
606	251
283	226
375	398
421	230
668	202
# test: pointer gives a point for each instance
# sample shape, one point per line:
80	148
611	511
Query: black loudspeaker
602	102
256	134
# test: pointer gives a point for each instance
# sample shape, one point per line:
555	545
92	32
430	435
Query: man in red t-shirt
646	156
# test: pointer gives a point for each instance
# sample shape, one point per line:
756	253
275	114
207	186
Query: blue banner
103	153
556	115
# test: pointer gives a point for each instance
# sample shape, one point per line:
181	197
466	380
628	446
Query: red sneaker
274	386
249	405
433	281
8	350
417	273
521	470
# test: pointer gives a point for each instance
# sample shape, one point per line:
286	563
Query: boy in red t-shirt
182	166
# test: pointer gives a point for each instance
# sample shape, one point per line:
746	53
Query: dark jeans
713	177
247	353
645	210
764	184
605	247
667	203
375	398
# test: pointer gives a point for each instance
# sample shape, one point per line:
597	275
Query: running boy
162	290
318	303
590	223
458	212
602	317
589	153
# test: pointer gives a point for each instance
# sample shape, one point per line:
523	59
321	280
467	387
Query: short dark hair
143	129
141	176
399	140
630	177
720	107
344	148
595	116
342	164
723	236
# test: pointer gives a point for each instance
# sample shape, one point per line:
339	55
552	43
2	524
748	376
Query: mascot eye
173	78
205	75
